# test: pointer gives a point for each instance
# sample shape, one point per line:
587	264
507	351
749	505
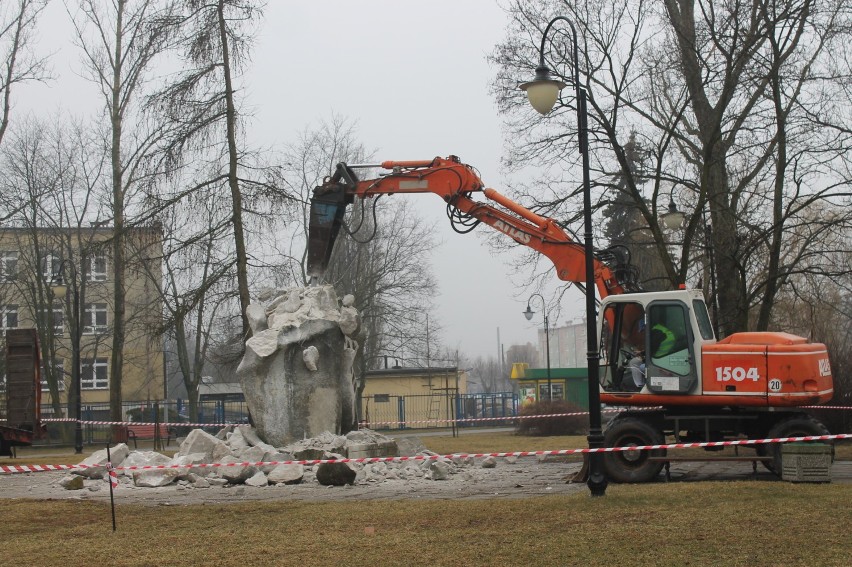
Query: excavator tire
799	425
632	466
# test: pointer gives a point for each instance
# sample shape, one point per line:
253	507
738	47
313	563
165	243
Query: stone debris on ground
241	444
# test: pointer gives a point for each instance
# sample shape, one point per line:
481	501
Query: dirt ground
528	477
522	479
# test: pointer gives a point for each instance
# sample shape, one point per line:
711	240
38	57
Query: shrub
562	425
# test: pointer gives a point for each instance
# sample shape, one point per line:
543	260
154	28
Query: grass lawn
712	523
696	523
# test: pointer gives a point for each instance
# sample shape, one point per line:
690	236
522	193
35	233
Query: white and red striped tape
380	423
112	477
167	424
11	469
368	424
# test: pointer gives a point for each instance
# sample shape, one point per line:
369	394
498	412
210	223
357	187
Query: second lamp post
529	315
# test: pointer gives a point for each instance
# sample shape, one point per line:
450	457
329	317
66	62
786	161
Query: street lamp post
529	314
61	289
542	93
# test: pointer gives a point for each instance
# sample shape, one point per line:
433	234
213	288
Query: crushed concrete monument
297	373
236	454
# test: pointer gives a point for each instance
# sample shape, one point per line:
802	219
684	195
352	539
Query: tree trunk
233	180
118	256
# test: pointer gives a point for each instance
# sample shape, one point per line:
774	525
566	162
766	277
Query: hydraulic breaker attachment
328	207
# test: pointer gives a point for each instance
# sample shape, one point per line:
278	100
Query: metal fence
394	413
439	410
171	411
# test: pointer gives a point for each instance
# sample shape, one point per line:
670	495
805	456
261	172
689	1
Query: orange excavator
660	360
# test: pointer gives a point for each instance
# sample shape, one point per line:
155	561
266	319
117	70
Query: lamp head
542	91
529	313
673	218
57	285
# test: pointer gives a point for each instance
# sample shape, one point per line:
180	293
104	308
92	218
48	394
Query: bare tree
55	172
383	263
18	19
198	270
738	108
487	375
213	39
120	41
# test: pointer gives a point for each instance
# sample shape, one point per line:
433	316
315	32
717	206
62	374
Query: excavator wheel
796	426
632	466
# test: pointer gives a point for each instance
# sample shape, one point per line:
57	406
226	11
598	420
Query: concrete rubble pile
239	444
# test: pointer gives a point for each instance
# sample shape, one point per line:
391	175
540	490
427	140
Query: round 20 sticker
775	385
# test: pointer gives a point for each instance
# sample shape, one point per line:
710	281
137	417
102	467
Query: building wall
567	346
423	393
43	252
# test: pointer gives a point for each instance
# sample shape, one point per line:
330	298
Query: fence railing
439	410
389	413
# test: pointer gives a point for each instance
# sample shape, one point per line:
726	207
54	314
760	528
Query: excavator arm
455	183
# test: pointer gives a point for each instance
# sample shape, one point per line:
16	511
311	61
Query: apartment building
59	280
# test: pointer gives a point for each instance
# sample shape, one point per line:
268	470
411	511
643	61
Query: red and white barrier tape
11	469
479	419
167	424
380	423
112	476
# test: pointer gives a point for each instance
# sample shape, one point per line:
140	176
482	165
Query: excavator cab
649	345
328	208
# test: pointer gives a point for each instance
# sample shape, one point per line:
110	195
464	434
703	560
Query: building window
95	318
8	317
58	372
8	266
58	319
96	268
93	374
51	263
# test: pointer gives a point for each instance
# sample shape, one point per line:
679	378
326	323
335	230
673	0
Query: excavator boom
456	183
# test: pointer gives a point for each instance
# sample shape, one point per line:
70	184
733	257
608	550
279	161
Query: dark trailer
23	391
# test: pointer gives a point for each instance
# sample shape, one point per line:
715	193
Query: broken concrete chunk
439	470
348	321
256	316
198	441
191	459
489	462
143	459
287	474
72	482
237	442
154	478
97	461
250	435
263	343
252	455
236	474
257	479
311	357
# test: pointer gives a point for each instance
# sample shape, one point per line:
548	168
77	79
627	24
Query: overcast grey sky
414	76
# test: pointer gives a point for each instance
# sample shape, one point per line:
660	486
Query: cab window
703	318
668	338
